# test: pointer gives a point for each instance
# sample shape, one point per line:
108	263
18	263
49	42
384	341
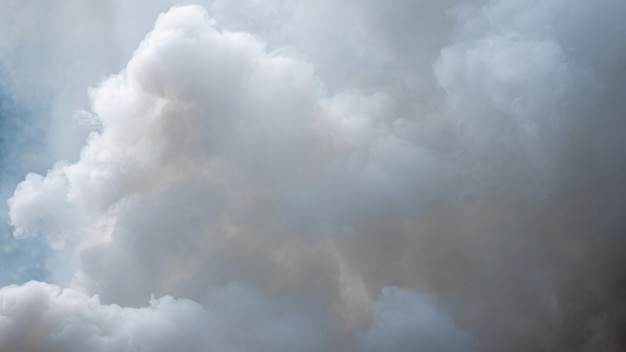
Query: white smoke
311	176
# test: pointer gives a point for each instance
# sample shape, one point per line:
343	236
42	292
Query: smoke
308	176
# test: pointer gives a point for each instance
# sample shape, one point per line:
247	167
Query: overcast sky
313	175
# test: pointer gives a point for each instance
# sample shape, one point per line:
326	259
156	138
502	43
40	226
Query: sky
246	175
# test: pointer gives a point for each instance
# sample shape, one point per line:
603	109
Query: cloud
405	321
327	176
42	317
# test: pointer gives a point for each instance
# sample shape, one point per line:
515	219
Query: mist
313	175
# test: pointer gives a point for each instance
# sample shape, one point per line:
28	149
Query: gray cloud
337	176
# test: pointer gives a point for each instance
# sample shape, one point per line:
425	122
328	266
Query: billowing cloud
42	317
339	176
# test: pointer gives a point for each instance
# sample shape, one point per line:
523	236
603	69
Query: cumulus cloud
405	321
310	176
204	139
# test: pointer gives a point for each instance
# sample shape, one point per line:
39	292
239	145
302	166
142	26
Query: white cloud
348	176
42	317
